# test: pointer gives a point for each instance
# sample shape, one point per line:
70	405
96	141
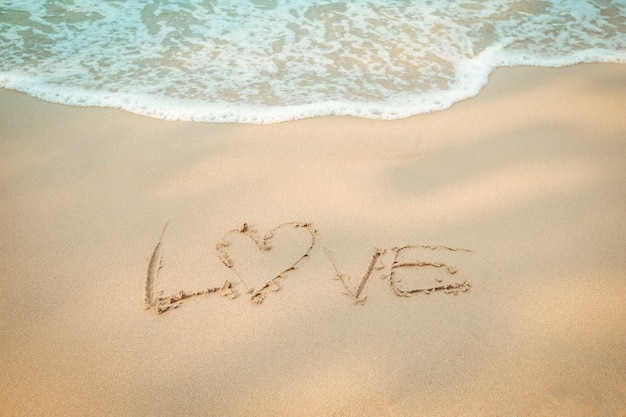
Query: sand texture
469	262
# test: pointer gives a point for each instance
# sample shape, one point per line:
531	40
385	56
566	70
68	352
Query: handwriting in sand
404	259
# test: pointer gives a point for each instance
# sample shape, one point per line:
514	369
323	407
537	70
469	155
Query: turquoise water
264	61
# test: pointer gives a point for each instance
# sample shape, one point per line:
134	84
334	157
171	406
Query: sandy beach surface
469	262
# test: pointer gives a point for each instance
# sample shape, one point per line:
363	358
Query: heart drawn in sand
263	286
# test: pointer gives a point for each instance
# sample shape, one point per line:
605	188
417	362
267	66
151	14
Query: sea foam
265	61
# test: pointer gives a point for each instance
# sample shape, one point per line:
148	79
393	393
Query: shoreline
275	112
519	190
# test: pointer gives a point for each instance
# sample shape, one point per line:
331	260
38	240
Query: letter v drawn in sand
356	293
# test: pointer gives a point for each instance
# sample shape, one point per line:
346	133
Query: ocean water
265	61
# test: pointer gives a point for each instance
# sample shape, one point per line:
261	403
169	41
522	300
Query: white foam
266	62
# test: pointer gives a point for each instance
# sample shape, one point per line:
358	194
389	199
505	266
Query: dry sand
527	181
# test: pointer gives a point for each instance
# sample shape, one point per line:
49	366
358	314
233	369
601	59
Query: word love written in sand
155	300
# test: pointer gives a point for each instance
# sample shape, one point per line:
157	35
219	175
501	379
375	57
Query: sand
468	262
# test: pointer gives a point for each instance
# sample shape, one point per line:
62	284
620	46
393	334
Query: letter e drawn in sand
401	264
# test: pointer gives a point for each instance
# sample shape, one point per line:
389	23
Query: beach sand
520	191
